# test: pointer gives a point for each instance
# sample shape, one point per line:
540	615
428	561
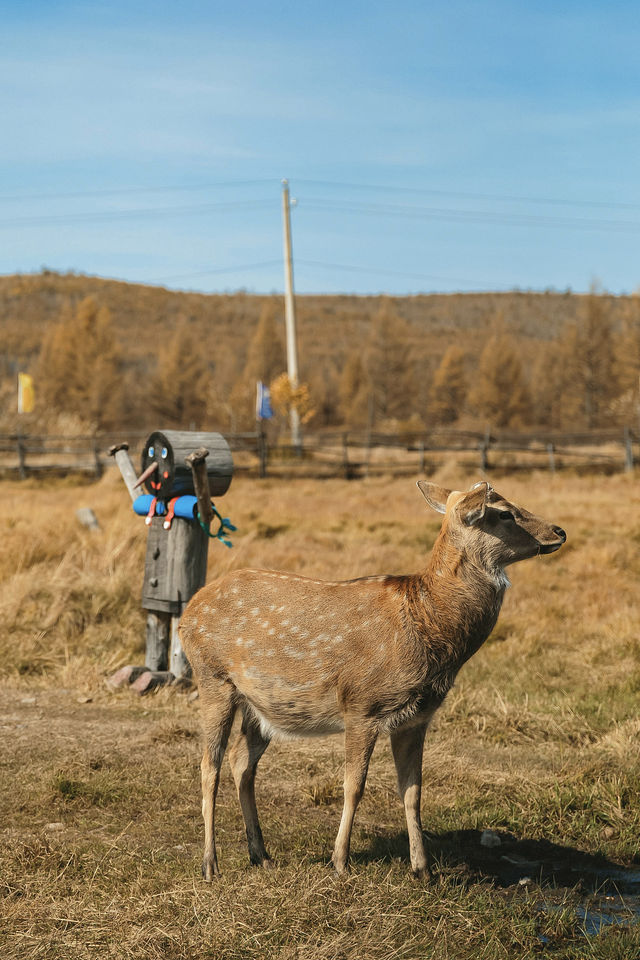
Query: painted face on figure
158	466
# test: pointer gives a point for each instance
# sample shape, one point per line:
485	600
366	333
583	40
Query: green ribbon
225	527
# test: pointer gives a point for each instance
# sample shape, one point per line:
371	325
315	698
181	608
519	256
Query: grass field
539	742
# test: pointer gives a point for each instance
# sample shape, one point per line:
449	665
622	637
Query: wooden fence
350	454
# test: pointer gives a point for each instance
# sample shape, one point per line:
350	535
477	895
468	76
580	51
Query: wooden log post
22	469
262	451
120	453
196	462
97	463
421	464
179	666
157	640
628	451
346	466
484	451
552	458
175	568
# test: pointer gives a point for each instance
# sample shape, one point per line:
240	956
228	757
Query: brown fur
303	657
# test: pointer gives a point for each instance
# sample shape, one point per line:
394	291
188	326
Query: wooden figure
181	470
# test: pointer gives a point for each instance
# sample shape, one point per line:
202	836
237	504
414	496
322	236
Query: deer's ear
435	496
472	506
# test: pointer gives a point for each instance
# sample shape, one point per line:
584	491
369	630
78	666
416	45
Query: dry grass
538	741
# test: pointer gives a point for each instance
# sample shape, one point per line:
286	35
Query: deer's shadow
503	859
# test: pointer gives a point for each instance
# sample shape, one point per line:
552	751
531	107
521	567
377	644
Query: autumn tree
627	360
354	391
588	348
80	365
499	393
178	390
548	385
449	387
323	387
389	365
266	360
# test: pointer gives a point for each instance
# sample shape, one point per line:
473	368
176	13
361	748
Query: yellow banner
25	393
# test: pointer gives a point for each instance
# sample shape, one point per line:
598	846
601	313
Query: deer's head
489	529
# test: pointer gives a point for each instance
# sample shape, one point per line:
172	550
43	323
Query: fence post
421	448
22	470
628	450
484	450
96	457
345	457
262	453
552	459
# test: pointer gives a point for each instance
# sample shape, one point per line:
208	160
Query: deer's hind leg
218	708
243	758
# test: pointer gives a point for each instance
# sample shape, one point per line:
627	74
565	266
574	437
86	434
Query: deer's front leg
407	746
359	741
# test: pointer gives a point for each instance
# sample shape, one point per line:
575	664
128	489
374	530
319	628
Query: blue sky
430	146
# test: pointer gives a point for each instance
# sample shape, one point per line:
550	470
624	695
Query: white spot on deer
285	623
239	603
235	589
239	641
271	631
255	612
295	653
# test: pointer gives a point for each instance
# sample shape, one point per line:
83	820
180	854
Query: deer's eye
506	516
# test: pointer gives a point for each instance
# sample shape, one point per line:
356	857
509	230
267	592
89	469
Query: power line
377	187
316	204
493	197
121	191
395	273
134	213
217	270
343	267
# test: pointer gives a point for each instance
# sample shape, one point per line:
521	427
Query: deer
299	657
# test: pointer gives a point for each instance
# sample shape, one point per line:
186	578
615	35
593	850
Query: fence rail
349	453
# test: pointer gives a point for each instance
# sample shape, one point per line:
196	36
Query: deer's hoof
209	871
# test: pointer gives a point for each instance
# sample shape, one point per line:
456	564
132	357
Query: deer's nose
559	532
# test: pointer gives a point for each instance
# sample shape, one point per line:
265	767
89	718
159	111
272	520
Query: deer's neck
459	603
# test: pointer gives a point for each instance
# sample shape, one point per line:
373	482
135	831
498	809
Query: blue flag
263	402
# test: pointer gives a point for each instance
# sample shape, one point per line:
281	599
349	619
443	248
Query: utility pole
290	313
